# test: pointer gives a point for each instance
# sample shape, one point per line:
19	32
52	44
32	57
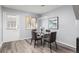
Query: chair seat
46	39
39	37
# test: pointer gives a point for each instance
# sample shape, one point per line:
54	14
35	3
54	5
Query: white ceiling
38	9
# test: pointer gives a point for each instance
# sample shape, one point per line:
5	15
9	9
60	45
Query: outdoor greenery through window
30	22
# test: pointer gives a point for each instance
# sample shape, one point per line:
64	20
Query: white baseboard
28	38
67	46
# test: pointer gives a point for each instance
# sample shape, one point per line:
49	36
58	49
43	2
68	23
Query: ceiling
38	9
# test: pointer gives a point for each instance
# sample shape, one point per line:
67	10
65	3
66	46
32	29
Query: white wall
77	28
19	34
0	25
67	24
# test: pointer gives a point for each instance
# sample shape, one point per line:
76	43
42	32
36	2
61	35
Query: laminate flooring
24	46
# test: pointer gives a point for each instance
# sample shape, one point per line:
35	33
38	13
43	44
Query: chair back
33	33
53	36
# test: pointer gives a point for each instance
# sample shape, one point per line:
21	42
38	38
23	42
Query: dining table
42	34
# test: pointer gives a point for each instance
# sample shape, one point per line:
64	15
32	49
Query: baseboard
67	46
28	38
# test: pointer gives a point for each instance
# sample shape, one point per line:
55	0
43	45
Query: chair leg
56	44
50	47
31	41
34	43
43	43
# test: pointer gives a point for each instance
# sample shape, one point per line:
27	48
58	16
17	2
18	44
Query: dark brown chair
36	38
52	38
32	35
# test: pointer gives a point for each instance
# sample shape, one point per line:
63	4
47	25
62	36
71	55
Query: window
30	22
11	22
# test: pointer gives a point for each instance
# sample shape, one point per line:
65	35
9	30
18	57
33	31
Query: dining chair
36	38
33	30
51	39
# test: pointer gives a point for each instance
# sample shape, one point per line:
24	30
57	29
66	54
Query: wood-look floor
24	46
